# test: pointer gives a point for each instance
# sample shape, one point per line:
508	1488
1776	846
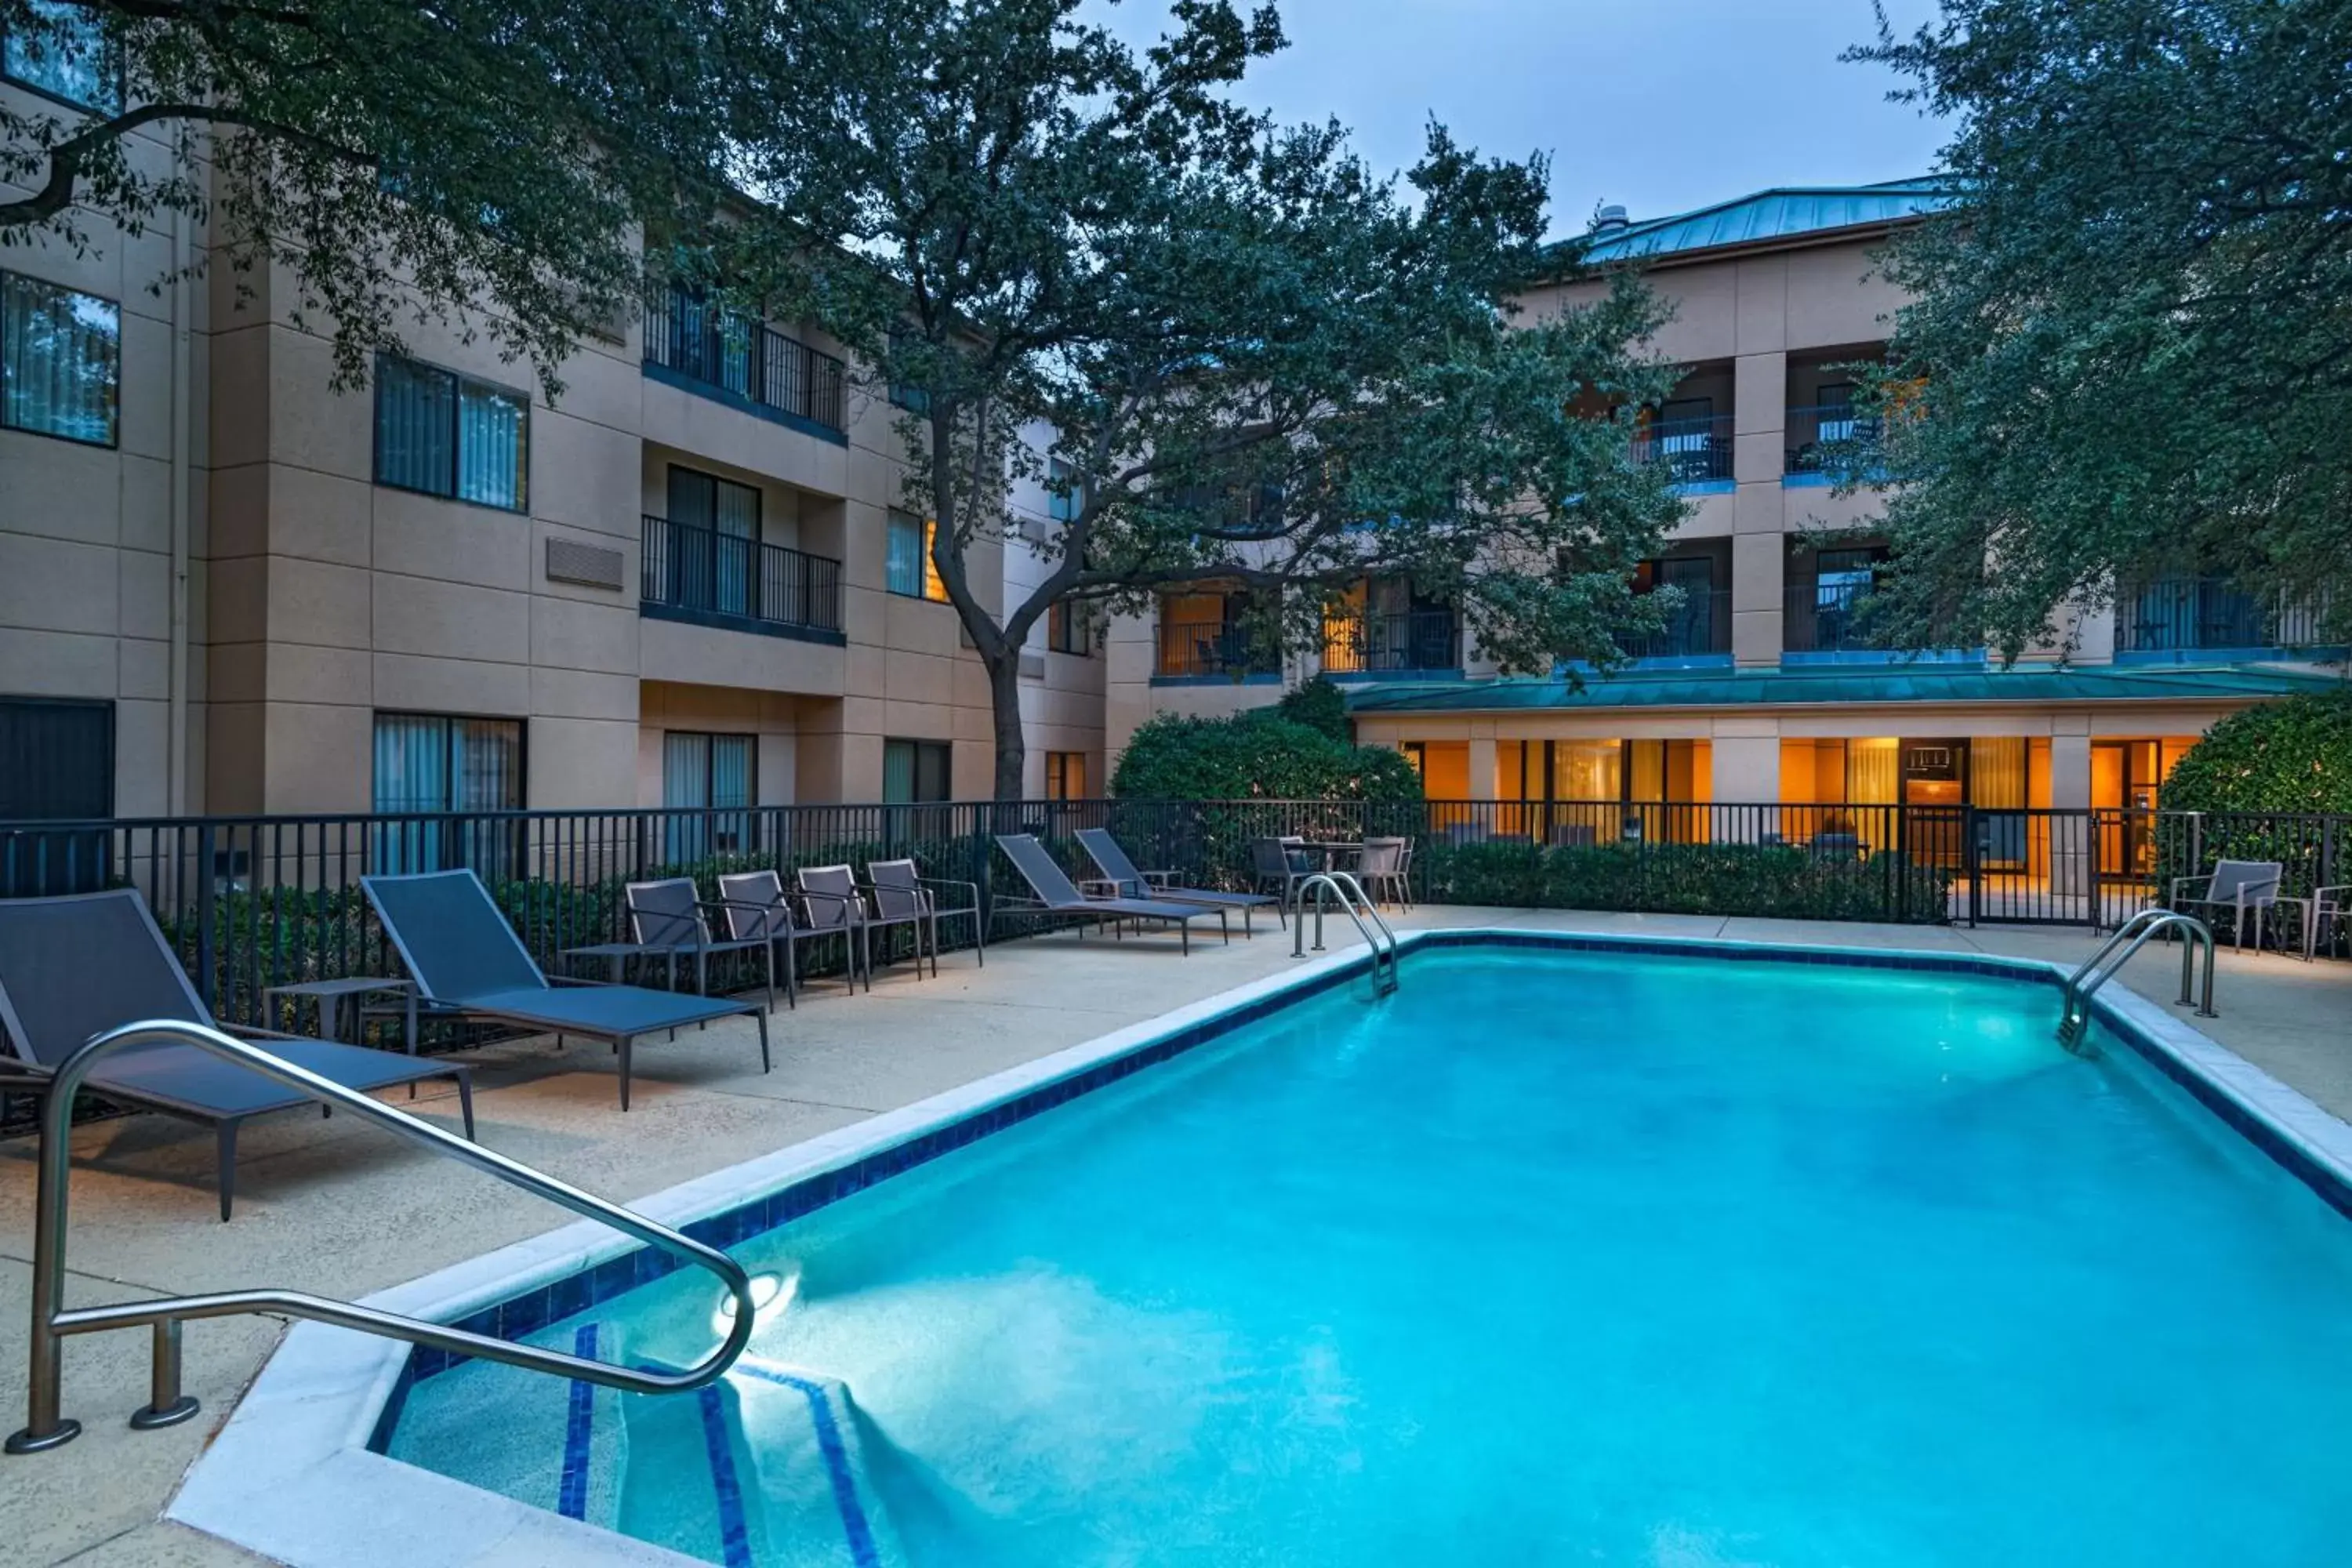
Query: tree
2129	354
1233	353
486	162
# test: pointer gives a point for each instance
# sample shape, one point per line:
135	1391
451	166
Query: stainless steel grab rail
1352	898
2074	1015
46	1428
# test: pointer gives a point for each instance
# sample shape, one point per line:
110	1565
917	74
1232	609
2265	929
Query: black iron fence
1700	626
1213	648
708	573
1692	451
695	337
2180	614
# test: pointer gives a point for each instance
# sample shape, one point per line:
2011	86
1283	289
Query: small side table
333	996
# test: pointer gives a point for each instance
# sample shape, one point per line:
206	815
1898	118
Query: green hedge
1256	756
1766	881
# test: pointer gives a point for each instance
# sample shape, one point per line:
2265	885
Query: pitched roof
1841	685
1781	212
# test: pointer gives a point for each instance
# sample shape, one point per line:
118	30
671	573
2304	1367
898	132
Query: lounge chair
467	963
891	878
1056	894
74	966
1119	875
666	919
2238	888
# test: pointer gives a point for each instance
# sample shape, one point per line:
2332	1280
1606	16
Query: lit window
64	55
911	570
1069	628
1066	775
449	435
60	360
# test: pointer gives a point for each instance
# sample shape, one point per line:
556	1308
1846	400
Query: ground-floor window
1066	775
440	772
917	773
57	764
711	777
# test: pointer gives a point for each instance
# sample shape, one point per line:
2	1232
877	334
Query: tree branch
68	157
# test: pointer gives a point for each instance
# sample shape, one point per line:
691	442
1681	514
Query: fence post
208	911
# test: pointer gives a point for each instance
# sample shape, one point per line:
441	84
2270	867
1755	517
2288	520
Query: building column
1759	547
1745	772
1486	775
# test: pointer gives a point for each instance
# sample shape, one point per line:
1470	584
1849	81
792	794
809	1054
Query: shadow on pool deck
342	1209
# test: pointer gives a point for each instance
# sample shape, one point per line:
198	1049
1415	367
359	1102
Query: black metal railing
1693	451
735	353
1213	647
2188	614
709	572
1700	626
1391	644
1833	440
1825	618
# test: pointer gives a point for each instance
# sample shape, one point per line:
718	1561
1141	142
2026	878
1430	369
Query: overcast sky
1663	108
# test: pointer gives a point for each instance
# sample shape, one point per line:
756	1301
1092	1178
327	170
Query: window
911	572
68	59
57	764
913	399
60	360
1069	627
1207	631
915	772
1066	497
712	775
430	763
448	434
714	540
1066	775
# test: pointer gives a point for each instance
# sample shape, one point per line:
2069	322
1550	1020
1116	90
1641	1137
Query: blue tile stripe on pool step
734	1530
536	1307
580	1419
854	1526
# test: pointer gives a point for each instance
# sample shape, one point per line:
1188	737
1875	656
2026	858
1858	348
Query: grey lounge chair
75	967
1058	895
2235	888
891	879
666	918
467	962
1119	875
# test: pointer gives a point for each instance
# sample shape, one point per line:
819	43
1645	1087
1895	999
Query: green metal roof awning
1843	686
1780	214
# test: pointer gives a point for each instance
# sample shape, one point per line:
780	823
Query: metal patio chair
830	902
666	916
899	877
2239	887
754	906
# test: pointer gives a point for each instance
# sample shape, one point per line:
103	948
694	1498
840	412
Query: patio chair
754	905
666	916
1381	868
898	878
1056	894
76	965
1273	861
1119	875
467	963
2243	888
830	902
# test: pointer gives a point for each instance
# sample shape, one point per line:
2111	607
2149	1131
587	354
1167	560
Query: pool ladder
2074	1018
45	1428
1358	905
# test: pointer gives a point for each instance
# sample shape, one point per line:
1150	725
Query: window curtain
491	436
60	355
731	793
898	773
1874	777
1996	772
414	427
412	775
685	789
906	565
735	511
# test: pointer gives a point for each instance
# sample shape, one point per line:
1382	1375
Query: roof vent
1609	218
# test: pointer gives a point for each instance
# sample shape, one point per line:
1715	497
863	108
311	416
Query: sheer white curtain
1874	779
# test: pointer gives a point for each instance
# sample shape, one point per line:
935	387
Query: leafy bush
1772	882
1256	756
2292	755
1321	705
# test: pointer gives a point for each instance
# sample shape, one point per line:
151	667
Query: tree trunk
1004	700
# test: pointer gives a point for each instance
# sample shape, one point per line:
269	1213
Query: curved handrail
2129	938
1343	884
52	1321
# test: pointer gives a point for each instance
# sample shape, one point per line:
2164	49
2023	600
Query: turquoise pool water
1576	1258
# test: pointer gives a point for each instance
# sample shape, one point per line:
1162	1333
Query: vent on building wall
1033	665
569	560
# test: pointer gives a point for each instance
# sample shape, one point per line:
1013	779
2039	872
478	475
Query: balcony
718	352
1416	642
1212	650
2166	619
1699	632
1829	443
1821	623
708	578
1692	451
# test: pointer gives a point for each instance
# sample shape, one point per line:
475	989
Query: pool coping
300	1459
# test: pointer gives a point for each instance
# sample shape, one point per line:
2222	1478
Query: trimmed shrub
1767	881
2292	755
1256	756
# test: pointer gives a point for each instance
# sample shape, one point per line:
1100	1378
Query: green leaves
2293	756
2131	353
1256	756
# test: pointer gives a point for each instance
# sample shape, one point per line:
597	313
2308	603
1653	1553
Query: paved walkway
342	1209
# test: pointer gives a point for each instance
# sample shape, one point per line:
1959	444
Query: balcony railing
1822	617
1701	626
1213	647
1693	451
1832	440
2186	613
707	572
737	354
1392	644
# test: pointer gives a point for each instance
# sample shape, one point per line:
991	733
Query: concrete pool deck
341	1209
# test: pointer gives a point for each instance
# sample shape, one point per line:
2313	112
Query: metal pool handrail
1352	900
167	1406
2073	1018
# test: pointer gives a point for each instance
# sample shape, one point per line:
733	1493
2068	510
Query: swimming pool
1565	1253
